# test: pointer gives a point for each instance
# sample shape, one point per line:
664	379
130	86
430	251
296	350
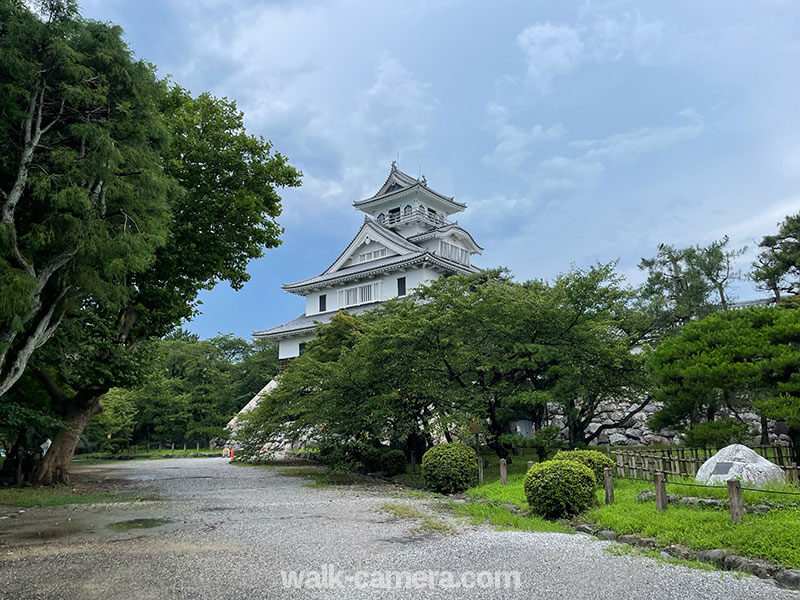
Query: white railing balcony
415	214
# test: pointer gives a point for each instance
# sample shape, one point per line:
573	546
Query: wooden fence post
413	460
608	481
530	465
503	472
661	491
172	449
198	445
480	471
735	500
794	473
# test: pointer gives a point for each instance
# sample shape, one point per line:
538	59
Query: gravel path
232	530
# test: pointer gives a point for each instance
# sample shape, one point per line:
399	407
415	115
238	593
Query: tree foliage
736	360
471	347
777	267
123	197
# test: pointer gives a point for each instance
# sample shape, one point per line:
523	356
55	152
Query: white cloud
630	145
550	50
514	144
395	111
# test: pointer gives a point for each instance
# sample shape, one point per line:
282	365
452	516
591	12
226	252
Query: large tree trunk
54	467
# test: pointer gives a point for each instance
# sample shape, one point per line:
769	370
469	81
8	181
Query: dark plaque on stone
722	468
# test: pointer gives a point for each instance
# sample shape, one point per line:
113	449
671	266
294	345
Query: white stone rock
617	439
745	464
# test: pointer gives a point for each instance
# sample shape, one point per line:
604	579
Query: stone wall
634	431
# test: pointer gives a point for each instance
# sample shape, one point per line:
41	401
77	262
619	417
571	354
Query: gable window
453	253
372	255
360	294
302	347
323	302
401	286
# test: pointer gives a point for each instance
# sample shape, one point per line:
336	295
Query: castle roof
398	184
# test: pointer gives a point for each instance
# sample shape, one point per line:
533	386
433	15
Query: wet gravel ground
232	530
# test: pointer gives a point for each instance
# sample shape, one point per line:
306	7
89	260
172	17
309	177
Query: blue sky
575	131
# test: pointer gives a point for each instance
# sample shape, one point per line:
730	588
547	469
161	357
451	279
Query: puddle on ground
137	524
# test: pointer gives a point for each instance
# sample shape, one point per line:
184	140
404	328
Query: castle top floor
408	206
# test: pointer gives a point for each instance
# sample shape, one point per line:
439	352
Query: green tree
83	193
777	267
461	348
112	429
714	365
782	373
146	194
689	283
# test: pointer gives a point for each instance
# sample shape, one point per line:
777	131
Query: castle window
401	286
453	253
323	302
372	255
302	347
407	211
361	294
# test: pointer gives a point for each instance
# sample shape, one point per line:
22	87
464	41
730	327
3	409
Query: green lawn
143	453
56	496
502	518
774	536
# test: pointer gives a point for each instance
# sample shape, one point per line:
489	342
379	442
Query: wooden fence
644	464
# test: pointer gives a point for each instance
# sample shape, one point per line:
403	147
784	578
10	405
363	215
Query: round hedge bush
596	461
559	488
449	468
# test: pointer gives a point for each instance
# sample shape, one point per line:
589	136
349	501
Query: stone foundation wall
635	431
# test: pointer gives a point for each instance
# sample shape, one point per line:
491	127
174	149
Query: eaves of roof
418	185
374	268
307	324
443	229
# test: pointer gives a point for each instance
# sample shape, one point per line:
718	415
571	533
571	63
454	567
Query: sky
576	132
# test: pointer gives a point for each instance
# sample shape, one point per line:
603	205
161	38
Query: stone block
789	579
759	568
715	556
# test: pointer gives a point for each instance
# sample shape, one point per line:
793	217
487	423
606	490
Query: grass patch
55	496
513	493
503	519
773	536
749	497
427	522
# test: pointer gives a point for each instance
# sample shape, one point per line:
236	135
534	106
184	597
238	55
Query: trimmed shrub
559	488
449	468
596	461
